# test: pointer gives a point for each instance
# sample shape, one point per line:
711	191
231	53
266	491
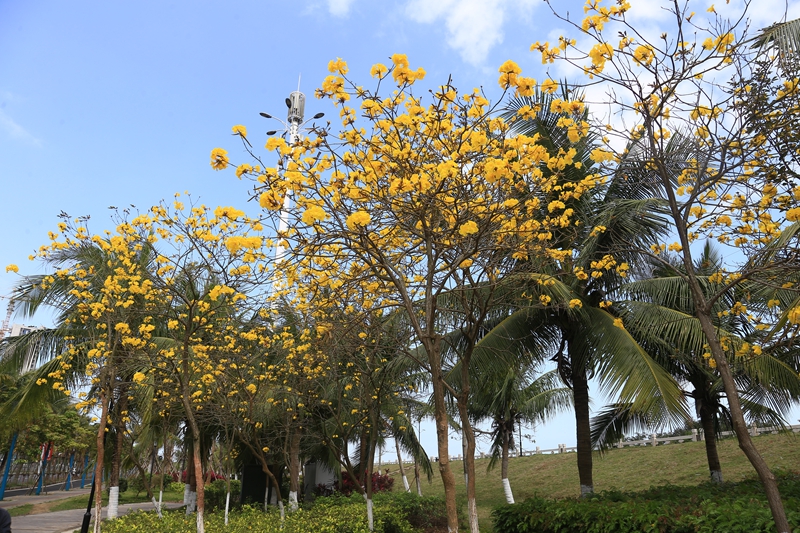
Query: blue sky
117	103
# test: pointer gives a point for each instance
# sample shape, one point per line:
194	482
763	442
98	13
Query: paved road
60	521
22	498
76	483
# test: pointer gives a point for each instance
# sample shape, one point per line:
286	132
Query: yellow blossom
338	67
219	159
549	86
378	70
508	74
358	219
468	228
244	168
12	268
313	214
240	130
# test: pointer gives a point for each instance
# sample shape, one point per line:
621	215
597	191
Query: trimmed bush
338	514
708	508
394	513
217	490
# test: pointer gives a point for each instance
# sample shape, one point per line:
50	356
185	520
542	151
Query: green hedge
708	508
393	513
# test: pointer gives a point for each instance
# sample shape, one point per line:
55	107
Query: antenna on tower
294	122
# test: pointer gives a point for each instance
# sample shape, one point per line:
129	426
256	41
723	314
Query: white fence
654	440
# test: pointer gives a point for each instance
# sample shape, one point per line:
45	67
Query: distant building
21	329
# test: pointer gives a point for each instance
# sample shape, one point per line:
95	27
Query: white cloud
339	8
15	131
473	26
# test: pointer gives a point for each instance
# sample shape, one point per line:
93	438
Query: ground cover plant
624	470
398	513
727	507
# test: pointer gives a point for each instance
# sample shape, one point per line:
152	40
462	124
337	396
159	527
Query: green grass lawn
627	469
80	502
20	510
129	496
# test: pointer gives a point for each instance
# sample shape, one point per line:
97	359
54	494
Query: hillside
628	469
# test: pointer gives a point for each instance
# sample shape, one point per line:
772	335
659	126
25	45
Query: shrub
137	484
216	493
380	483
731	507
421	512
175	486
347	515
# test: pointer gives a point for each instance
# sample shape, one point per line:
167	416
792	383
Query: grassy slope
628	469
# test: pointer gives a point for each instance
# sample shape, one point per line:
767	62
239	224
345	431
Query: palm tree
659	311
511	396
572	322
82	269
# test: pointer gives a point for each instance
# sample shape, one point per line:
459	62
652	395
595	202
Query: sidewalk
62	521
21	499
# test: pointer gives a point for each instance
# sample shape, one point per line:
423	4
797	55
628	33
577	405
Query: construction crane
5	329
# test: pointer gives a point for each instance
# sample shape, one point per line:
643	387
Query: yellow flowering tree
104	300
409	200
206	270
158	304
563	311
722	156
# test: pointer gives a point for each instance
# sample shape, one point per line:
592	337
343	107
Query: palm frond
626	371
781	36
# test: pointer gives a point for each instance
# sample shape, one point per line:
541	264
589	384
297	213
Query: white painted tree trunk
472	510
191	502
201	525
227	506
187	491
507	491
293	506
282	510
716	476
113	503
157	506
160	499
405	483
370	519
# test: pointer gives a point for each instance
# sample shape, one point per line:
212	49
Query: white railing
654	440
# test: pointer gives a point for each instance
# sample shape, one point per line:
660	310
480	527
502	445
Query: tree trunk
417	480
400	465
294	469
703	312
368	488
580	391
196	467
766	476
101	449
198	475
469	447
504	460
116	460
442	431
710	437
